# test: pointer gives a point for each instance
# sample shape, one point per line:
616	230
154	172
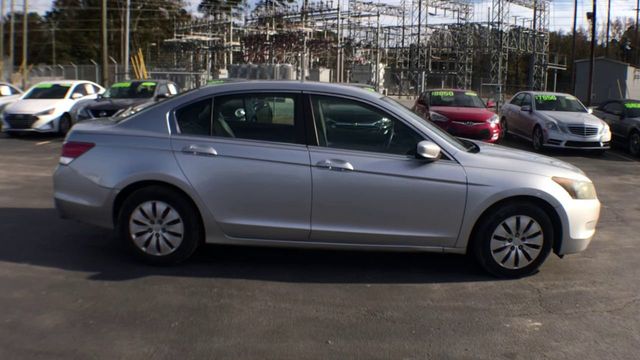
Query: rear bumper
77	197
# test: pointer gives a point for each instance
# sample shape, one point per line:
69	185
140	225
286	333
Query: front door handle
203	150
335	164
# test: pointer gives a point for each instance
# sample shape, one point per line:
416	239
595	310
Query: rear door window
194	118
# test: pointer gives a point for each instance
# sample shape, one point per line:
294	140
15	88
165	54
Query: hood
115	104
499	157
463	113
572	118
32	106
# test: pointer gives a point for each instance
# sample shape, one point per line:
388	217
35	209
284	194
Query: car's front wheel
514	240
537	139
504	130
64	124
159	225
634	143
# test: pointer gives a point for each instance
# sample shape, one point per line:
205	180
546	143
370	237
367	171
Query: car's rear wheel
64	124
514	240
634	143
537	139
159	225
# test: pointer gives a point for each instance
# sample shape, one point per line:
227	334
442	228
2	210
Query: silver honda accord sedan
316	165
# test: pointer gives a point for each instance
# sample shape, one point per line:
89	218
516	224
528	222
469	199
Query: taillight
73	149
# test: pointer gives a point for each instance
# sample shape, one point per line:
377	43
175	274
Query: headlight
493	120
551	125
46	112
577	189
434	116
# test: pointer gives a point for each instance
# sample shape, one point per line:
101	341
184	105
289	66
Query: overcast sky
561	10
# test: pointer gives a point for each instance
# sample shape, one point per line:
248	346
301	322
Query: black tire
504	129
493	223
64	124
634	143
537	139
192	233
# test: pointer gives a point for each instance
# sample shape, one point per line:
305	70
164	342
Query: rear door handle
335	164
203	150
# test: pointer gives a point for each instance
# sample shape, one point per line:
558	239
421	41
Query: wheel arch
543	204
131	188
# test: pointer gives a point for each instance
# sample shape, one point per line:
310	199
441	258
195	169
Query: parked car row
546	119
55	106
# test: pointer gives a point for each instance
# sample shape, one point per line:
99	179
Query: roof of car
73	82
543	92
287	85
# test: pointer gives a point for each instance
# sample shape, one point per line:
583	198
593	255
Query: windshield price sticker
470	93
44	86
121	85
442	93
148	83
632	105
546	98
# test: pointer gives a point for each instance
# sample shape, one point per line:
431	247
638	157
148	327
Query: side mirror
162	96
526	108
99	96
491	104
428	150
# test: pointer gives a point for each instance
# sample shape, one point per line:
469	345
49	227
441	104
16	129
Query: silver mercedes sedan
316	165
554	120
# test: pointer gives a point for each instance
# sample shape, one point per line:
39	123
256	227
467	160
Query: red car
461	113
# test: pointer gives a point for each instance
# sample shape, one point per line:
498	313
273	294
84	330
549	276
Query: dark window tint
195	118
613	108
348	124
48	91
526	100
80	90
268	117
517	100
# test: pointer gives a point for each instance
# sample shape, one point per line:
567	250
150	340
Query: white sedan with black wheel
45	107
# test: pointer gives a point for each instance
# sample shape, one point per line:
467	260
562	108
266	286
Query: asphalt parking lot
68	290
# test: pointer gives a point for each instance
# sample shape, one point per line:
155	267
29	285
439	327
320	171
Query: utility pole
53	44
12	39
606	47
105	54
573	47
593	52
2	39
637	40
25	35
127	18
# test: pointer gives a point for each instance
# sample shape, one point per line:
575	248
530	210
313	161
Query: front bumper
557	139
473	130
580	218
38	124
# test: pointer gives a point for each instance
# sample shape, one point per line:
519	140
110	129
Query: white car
45	106
8	95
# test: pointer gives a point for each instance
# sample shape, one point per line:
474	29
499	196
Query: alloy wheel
537	139
517	242
156	228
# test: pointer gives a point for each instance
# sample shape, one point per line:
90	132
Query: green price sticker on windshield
546	98
121	85
470	93
44	86
148	83
632	105
442	93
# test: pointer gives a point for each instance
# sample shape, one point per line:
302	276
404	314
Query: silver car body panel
255	192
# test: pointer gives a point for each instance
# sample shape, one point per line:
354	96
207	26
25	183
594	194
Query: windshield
455	99
633	109
554	102
48	91
459	144
131	90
